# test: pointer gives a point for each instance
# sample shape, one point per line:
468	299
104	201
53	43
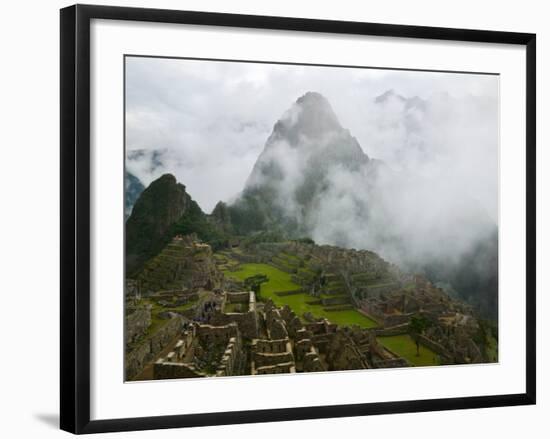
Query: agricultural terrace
280	281
405	346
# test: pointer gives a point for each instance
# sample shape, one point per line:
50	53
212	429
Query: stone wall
275	325
164	370
261	360
248	322
290	292
215	334
312	362
395	330
238	297
137	323
282	267
270	346
278	368
396	319
377	291
232	358
149	348
436	347
180	363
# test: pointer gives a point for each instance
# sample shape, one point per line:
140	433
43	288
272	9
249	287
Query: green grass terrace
405	346
280	281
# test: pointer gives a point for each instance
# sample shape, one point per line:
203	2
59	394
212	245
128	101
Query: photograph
263	220
297	218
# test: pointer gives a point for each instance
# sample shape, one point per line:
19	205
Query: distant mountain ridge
132	190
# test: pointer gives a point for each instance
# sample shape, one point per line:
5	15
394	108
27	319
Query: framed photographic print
268	218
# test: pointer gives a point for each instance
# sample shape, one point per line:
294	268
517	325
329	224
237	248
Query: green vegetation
235	307
247	214
486	337
278	280
491	349
255	282
405	346
181	308
305	240
417	326
264	236
163	210
281	281
156	322
195	221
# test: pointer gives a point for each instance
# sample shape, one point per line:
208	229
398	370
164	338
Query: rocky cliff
159	207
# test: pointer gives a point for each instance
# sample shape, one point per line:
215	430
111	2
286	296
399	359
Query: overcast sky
212	119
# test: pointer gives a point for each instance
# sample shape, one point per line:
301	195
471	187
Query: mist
432	199
208	122
428	190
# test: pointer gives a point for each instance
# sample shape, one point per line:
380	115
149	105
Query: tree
417	326
255	282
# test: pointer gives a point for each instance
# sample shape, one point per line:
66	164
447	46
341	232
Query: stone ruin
143	351
138	320
183	263
203	350
318	346
335	277
226	332
239	308
451	330
272	356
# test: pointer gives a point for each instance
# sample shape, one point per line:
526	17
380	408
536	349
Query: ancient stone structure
184	319
337	277
133	292
184	263
138	320
203	350
272	356
151	346
451	327
239	308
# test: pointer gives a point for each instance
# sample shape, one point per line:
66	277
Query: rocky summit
158	208
310	133
307	145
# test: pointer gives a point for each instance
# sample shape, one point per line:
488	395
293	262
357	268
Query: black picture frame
75	217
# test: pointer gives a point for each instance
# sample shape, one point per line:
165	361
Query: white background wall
29	200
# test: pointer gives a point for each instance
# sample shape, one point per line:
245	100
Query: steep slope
306	145
157	209
163	210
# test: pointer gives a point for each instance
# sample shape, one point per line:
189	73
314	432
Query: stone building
202	351
239	308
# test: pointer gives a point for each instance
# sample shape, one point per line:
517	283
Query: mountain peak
312	98
310	117
157	208
306	147
391	96
387	95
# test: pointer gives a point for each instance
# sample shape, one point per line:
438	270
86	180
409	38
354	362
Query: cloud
424	203
210	121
